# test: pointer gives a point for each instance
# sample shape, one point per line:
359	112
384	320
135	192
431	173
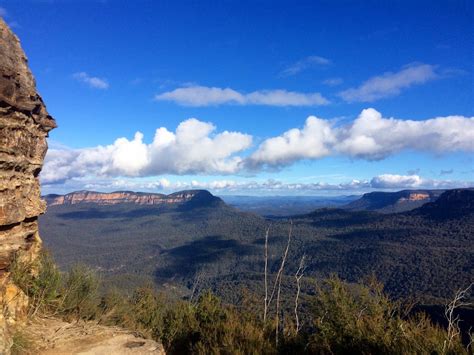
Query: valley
415	253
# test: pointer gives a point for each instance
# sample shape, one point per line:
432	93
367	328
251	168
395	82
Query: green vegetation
342	318
72	295
21	343
129	245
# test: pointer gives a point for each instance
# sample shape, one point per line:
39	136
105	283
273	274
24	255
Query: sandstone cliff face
24	126
415	197
118	197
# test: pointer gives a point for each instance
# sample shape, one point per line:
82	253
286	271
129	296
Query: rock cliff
394	202
24	127
119	197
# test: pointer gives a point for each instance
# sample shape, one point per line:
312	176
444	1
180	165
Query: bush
40	280
208	327
345	318
363	320
50	292
79	297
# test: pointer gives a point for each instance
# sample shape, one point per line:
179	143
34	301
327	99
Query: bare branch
298	277
470	345
453	320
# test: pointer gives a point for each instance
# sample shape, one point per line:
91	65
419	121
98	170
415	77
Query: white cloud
209	96
305	64
333	81
195	148
313	141
192	149
388	182
369	137
397	182
373	137
390	84
92	81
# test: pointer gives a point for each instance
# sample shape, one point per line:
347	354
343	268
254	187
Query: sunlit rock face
120	197
24	127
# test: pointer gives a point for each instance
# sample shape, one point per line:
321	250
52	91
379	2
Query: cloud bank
369	137
213	96
270	186
192	149
195	148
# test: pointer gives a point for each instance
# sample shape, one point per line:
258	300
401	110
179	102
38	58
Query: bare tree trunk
282	265
298	277
197	280
265	306
278	282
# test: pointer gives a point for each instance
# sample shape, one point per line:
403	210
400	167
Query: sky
253	97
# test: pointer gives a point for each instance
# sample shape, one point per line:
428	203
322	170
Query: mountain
393	202
206	241
188	198
456	203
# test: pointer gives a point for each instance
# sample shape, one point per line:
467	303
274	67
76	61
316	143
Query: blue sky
390	85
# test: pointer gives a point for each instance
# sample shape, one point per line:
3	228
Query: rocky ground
51	336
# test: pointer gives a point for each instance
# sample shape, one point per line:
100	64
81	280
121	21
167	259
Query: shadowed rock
24	127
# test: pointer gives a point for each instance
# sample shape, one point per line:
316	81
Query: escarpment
120	197
24	127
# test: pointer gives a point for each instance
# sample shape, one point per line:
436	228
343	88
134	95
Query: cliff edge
24	127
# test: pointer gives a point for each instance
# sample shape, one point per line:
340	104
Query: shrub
345	318
40	280
208	327
79	296
363	320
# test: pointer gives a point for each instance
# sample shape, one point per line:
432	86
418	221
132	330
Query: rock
24	127
138	198
52	336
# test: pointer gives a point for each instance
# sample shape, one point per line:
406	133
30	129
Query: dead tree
453	319
298	277
197	280
265	305
278	283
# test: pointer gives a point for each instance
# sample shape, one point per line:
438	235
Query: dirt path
56	337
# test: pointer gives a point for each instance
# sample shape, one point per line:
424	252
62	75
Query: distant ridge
189	197
451	204
393	202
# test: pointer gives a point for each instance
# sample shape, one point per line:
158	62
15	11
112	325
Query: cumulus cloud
192	149
390	83
369	137
304	64
313	141
91	81
195	148
209	96
390	181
